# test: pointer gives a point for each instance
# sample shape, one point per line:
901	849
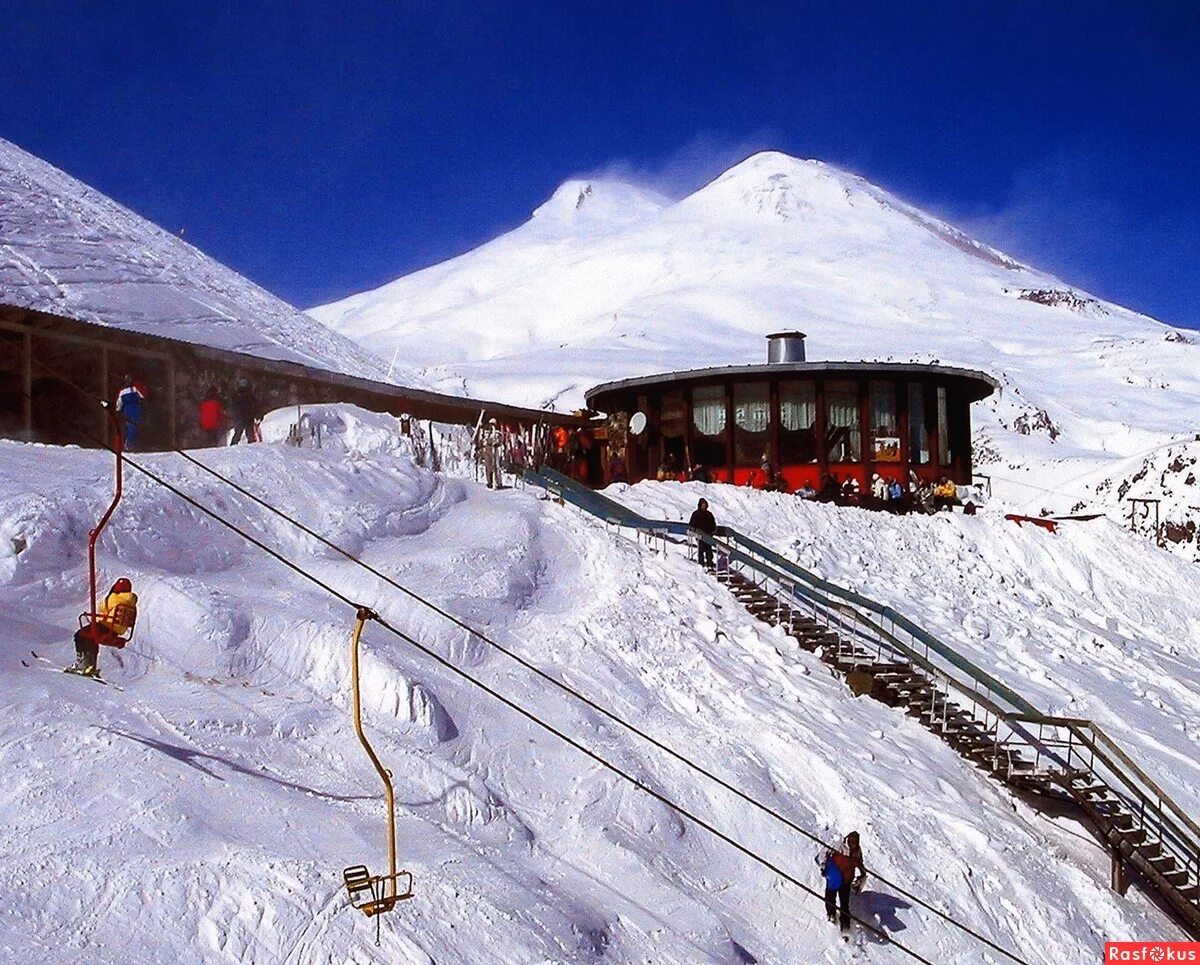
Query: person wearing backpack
842	869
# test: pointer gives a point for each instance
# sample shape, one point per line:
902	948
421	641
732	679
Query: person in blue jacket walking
129	407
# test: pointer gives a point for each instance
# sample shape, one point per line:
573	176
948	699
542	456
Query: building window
670	425
885	427
843	440
751	417
945	456
708	421
797	423
918	431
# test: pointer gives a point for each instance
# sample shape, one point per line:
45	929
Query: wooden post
931	428
1120	877
688	455
105	430
821	431
773	437
27	385
730	457
902	430
173	403
866	444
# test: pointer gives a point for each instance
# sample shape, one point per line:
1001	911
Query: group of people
887	493
214	421
244	415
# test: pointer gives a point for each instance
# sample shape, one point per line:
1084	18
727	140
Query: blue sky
322	149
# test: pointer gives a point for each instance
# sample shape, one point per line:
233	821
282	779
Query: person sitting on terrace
945	494
806	491
700	473
668	470
831	490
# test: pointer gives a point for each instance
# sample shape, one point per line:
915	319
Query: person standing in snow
117	615
212	417
129	409
705	524
490	443
245	412
842	869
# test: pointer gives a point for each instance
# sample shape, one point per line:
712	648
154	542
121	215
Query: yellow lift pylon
374	894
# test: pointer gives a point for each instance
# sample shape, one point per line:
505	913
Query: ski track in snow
205	814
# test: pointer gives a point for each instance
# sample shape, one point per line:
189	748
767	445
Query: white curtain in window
708	409
751	407
797	407
843	411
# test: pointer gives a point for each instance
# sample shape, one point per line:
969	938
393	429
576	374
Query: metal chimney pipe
784	347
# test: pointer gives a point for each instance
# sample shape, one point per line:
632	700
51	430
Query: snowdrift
204	812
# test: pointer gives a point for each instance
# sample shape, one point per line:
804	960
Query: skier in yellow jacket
117	615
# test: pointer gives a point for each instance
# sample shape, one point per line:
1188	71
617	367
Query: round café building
799	419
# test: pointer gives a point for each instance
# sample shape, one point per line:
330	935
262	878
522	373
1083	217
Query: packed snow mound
355	431
562	303
66	248
221	792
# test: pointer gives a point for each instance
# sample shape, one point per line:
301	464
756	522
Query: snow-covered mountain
607	281
68	249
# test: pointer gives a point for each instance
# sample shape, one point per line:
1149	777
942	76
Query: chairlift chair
123	614
376	894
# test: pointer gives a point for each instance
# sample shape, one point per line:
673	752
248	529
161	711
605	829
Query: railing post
1120	879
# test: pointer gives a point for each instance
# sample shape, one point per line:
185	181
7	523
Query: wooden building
54	370
805	420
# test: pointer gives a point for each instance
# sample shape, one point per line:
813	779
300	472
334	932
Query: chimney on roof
784	347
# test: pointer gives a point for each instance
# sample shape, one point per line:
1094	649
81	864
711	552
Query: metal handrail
996	699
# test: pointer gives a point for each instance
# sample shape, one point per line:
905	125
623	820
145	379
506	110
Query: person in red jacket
844	876
212	417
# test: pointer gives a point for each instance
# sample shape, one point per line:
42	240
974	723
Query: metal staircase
884	655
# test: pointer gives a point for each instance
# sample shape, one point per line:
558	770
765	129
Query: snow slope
204	813
606	281
68	249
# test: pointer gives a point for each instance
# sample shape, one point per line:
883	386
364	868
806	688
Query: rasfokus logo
1152	952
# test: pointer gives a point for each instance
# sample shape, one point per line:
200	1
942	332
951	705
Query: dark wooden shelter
46	360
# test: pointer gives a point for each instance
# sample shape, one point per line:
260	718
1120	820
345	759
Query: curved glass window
708	426
670	426
797	422
751	419
885	426
843	439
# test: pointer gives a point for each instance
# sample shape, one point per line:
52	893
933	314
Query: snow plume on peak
770	185
597	201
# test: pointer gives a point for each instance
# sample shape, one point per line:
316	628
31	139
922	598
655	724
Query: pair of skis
71	670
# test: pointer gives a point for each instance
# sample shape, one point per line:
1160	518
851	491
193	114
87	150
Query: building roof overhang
981	384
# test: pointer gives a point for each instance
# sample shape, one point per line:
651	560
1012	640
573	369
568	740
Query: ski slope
204	812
